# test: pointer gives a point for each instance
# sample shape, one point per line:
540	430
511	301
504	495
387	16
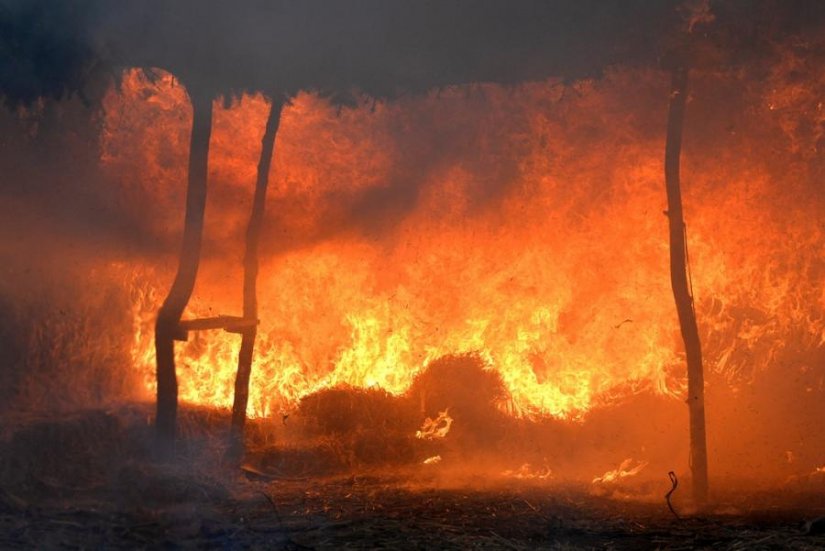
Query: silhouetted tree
250	278
680	283
167	324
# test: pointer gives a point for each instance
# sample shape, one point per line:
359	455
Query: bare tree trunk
250	301
681	287
172	309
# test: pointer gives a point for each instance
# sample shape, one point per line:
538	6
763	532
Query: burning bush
473	393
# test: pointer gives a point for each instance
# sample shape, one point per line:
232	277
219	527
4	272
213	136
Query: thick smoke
382	48
63	324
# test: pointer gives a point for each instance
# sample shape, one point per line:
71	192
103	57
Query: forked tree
169	326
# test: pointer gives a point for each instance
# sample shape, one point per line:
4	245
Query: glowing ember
434	460
527	472
434	429
626	470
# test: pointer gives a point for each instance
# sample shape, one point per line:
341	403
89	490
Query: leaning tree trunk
681	287
250	300
170	313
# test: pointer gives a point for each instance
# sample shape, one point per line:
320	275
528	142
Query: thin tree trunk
681	287
250	300
172	309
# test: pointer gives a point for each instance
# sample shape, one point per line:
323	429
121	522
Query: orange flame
524	224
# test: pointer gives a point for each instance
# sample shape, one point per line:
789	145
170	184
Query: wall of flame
521	223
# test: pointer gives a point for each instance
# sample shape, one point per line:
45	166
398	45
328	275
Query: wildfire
523	224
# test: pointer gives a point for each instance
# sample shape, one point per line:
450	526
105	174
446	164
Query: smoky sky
381	47
384	48
49	47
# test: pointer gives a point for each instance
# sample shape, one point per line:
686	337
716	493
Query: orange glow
523	224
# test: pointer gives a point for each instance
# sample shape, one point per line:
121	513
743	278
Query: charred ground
104	490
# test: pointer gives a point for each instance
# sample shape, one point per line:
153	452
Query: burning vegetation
441	272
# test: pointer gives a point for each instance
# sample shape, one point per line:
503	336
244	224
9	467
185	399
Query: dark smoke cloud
51	48
383	48
380	47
